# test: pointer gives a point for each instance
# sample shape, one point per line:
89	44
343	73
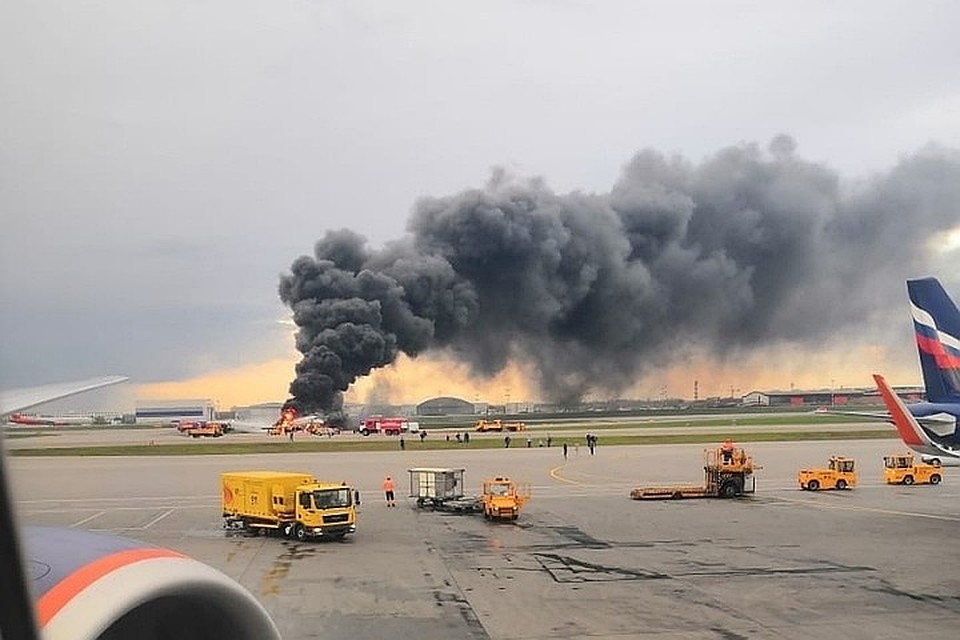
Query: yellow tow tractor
839	474
903	469
503	498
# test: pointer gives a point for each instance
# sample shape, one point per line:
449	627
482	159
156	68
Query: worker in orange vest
727	450
388	489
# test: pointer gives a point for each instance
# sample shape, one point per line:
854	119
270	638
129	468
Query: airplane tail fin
936	325
910	431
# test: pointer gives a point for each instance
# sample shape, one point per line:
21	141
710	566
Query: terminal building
167	411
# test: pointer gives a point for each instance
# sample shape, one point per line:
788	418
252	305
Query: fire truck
387	426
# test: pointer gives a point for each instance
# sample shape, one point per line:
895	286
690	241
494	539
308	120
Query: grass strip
333	445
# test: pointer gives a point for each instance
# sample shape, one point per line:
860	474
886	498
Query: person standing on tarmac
726	449
388	491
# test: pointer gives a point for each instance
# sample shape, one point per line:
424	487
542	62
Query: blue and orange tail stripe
936	323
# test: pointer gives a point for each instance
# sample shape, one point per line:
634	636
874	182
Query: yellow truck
488	425
839	474
498	425
502	498
903	469
294	504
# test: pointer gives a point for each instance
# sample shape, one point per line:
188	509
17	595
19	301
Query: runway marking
850	507
33	512
212	496
85	520
158	519
555	474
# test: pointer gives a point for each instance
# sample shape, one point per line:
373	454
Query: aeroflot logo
943	347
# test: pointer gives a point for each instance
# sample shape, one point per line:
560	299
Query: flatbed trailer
727	474
669	493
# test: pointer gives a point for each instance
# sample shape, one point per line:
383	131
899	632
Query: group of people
591	442
403	443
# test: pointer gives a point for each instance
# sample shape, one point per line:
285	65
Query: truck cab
839	474
503	499
904	469
323	510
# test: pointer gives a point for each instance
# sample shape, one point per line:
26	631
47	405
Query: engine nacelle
90	586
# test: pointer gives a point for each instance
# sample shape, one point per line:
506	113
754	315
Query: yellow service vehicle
727	473
498	425
903	469
489	425
503	498
839	474
295	504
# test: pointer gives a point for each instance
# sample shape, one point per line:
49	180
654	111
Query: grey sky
161	163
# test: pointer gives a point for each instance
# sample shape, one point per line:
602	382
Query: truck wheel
813	485
288	530
841	484
300	532
730	489
364	432
907	479
935	478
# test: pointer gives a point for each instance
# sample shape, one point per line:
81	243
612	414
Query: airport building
167	411
265	413
825	397
445	406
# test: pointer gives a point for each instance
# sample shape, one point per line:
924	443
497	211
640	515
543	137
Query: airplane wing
239	426
88	586
875	415
934	422
19	399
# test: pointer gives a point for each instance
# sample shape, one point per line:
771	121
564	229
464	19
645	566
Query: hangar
445	406
167	411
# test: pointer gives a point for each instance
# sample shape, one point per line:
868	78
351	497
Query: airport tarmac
582	561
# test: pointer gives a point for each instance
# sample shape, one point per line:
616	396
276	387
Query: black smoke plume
748	248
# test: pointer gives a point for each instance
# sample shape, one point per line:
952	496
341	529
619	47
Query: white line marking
85	520
157	519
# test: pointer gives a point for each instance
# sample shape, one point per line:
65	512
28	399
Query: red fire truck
387	426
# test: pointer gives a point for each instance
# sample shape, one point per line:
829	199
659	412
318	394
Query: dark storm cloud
748	248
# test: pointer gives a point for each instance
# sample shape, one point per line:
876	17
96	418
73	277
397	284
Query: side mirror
356	498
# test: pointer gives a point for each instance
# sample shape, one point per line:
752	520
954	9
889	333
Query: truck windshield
332	498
